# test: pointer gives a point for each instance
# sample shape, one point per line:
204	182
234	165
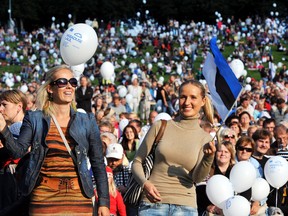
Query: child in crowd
117	206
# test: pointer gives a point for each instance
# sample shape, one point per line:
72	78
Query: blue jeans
160	209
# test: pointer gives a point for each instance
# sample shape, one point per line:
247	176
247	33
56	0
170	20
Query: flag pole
223	121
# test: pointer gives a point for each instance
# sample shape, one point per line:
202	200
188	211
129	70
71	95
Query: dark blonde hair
15	96
207	108
43	101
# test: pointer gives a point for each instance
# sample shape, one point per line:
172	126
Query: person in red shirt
117	206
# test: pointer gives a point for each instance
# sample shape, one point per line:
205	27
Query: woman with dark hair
236	127
62	141
245	119
130	142
183	157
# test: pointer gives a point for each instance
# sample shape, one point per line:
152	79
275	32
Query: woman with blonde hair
61	140
223	163
183	157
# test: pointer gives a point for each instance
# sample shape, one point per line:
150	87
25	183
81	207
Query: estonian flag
223	85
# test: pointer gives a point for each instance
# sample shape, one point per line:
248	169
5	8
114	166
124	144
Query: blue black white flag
223	85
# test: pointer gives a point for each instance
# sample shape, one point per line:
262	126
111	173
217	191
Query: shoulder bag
134	190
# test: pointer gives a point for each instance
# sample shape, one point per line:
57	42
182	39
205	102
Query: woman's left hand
209	148
103	211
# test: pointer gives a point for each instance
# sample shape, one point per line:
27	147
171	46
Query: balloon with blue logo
276	171
78	44
236	206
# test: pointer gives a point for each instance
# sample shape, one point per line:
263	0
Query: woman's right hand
151	192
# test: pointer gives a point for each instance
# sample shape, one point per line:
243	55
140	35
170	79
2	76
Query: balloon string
276	197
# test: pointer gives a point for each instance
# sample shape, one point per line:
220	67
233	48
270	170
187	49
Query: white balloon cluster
220	190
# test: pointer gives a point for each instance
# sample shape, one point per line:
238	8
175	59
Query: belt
60	183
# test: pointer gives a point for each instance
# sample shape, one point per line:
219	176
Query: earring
50	96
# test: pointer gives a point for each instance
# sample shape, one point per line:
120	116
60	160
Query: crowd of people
109	134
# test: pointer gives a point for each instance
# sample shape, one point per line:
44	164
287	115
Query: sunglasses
241	148
229	136
63	82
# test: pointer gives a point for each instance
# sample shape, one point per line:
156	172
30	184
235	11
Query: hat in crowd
160	82
134	76
114	150
109	172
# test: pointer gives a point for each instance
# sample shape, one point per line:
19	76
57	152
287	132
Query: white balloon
237	67
236	206
150	66
123	123
37	67
78	44
9	82
122	91
92	77
280	64
219	189
24	88
276	171
142	61
242	176
260	189
78	70
125	56
163	116
129	98
244	73
55	55
248	87
69	16
53	18
18	78
107	70
248	79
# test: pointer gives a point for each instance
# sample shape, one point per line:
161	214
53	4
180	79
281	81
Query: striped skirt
47	201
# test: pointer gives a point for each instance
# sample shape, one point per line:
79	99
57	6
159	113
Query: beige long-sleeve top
179	160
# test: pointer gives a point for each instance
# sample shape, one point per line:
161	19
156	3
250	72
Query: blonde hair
43	101
207	108
112	187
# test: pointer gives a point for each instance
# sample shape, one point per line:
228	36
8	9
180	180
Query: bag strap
161	131
64	139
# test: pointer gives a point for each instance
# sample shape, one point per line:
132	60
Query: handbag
134	191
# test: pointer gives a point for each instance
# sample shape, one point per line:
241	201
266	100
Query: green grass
227	52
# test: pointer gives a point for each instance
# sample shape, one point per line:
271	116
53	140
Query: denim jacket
84	131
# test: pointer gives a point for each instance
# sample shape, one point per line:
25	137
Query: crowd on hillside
152	61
